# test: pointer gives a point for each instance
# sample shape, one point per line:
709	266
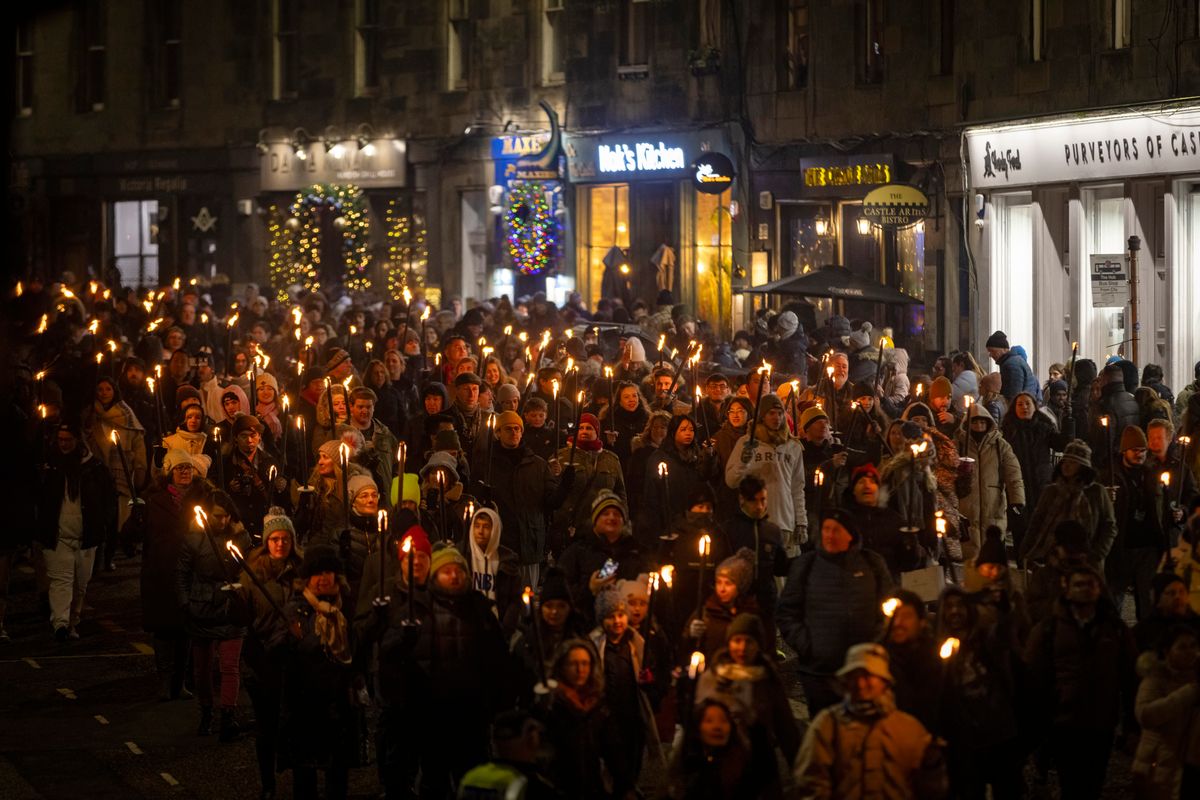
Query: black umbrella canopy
838	283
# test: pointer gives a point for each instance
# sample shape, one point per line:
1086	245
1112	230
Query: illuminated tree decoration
530	228
408	254
283	269
349	207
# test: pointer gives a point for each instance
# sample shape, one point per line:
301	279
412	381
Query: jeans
228	653
69	568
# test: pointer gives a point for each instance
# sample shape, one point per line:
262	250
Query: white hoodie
486	563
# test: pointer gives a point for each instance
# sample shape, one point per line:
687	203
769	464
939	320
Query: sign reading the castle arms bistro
712	173
895	206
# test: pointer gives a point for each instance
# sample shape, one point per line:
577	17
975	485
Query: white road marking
32	663
133	748
67	693
169	778
101	719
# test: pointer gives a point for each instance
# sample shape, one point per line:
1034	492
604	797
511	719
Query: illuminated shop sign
712	173
639	157
845	176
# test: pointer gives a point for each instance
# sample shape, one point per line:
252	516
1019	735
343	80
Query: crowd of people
581	552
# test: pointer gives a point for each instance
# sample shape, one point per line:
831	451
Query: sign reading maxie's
712	173
895	206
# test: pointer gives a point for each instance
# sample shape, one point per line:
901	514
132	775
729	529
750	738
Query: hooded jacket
780	465
1080	498
1016	376
494	572
995	480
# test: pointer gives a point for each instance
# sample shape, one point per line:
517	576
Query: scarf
581	702
590	446
775	438
186	440
269	414
330	627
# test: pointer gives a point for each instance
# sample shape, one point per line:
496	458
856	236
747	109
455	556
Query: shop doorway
134	225
655	222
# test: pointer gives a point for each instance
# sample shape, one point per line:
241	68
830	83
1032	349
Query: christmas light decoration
295	239
530	228
407	252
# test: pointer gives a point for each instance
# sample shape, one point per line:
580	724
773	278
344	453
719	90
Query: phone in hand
608	570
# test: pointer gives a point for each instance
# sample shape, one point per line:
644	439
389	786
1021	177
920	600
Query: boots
230	730
206	721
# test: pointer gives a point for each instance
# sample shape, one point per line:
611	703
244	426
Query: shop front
653	211
340	212
1056	203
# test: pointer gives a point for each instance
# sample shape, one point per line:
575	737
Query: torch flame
704	545
527	596
234	550
425	313
1165	478
554	385
818	478
1104	421
344	453
232	320
406	545
381	519
949	648
667	571
407	295
663	470
508	330
696	665
201	517
890	605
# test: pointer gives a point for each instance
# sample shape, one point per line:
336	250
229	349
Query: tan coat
849	758
1166	708
1003	485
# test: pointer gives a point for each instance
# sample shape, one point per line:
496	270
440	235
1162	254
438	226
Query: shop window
170	54
285	50
794	46
458	45
1122	23
946	37
607	227
24	68
1037	30
713	259
554	41
135	241
1104	333
635	35
93	58
1011	303
870	36
810	238
366	47
910	269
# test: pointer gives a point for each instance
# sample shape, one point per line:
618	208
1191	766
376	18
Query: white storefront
1049	196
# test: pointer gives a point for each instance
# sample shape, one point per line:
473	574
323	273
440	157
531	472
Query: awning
838	283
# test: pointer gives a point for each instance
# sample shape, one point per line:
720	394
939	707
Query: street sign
1110	280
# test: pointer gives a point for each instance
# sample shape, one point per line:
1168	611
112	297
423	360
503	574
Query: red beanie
420	539
589	419
866	470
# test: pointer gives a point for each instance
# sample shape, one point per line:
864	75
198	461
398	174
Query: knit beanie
1056	386
334	359
811	415
839	326
445	440
509	418
769	402
608	602
747	625
173	459
420	539
635	588
940	388
554	586
277	520
862	337
587	419
506	392
444	461
738	568
411	492
267	379
246	422
358	483
187	394
786	324
997	339
845	519
865	471
607	499
917	409
992	551
1132	438
1078	451
318	559
467	378
330	449
444	555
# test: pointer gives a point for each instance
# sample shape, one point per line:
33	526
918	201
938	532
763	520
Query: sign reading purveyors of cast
1110	280
712	173
895	206
1158	141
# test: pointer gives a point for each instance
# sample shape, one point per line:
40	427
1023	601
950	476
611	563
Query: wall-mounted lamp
864	226
300	140
821	226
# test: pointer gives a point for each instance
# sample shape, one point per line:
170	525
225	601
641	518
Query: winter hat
447	440
174	458
335	357
1071	536
554	586
420	540
411	491
358	483
1056	386
865	471
769	402
311	374
277	520
444	555
330	449
506	392
444	461
747	625
1132	438
839	326
862	389
1078	451
992	551
843	518
703	493
587	419
940	388
738	568
318	559
917	409
1085	371
862	337
269	380
867	656
1161	581
810	415
187	394
607	499
608	602
787	323
997	339
465	378
246	422
511	418
635	588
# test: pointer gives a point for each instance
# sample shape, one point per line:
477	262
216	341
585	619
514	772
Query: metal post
1135	244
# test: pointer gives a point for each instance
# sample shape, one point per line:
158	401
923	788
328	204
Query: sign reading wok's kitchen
895	206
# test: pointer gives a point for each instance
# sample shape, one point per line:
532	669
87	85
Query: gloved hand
697	628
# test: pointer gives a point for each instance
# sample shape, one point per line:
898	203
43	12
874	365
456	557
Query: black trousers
1081	757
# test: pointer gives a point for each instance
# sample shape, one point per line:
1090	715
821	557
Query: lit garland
296	242
530	228
408	255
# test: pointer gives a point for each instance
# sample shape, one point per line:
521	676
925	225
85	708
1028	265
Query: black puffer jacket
524	491
1122	411
830	602
1033	442
901	550
586	555
204	566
